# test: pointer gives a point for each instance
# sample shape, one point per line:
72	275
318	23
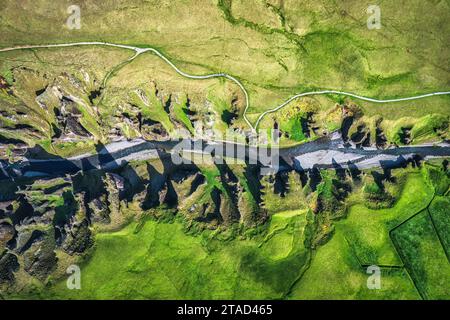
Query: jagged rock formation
40	219
40	258
47	216
8	265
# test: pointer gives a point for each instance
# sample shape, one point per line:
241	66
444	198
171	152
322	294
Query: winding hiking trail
138	51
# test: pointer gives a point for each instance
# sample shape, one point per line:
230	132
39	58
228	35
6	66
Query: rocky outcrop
8	265
79	237
114	185
99	211
68	116
47	216
40	258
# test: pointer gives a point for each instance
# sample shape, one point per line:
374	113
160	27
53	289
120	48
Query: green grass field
441	220
367	231
424	256
335	273
286	48
160	261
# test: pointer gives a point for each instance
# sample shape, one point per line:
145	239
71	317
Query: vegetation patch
424	256
144	268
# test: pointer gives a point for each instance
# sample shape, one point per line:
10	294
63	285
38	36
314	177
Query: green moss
212	175
372	188
219	106
180	113
144	268
294	128
335	273
152	107
423	256
437	178
439	213
8	76
367	230
426	128
276	51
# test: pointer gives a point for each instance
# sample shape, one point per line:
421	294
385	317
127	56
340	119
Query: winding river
326	152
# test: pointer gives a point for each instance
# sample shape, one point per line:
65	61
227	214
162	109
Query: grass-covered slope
277	48
424	256
367	230
168	259
335	273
